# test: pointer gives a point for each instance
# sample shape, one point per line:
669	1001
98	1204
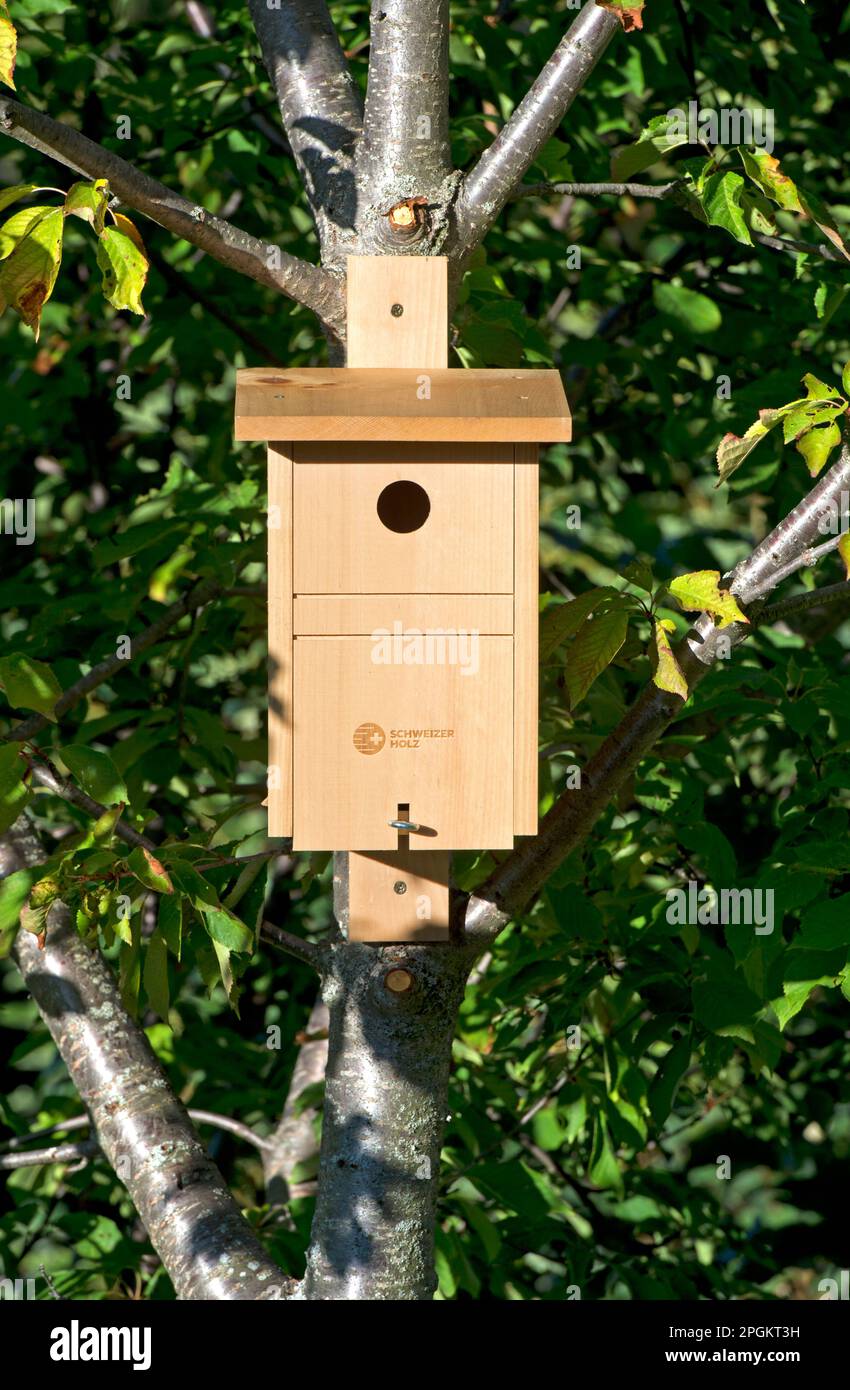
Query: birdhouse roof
376	403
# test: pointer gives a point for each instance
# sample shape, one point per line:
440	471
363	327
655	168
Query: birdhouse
403	583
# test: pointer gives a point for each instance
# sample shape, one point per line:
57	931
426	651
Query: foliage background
611	1184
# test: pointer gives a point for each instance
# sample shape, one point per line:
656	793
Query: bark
258	260
321	112
203	1240
293	1144
385	1110
574	814
404	152
490	184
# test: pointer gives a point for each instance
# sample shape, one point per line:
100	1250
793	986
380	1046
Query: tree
379	176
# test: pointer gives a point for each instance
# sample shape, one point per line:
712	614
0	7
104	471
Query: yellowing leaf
668	673
764	170
8	47
596	645
14	192
89	201
16	227
701	591
28	276
733	449
817	445
125	268
629	12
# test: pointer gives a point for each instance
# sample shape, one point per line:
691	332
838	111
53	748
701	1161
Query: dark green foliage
584	1159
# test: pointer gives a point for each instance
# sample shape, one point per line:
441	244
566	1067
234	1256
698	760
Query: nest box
403	583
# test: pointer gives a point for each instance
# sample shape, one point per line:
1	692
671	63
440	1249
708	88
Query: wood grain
378	912
342	546
280	637
526	625
442	740
377	336
328	615
368	403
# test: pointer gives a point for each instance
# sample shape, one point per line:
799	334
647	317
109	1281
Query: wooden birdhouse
403	583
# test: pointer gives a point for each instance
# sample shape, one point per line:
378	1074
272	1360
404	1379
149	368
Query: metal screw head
397	310
399	886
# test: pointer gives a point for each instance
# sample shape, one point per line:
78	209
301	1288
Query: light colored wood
526	607
377	912
419	335
342	546
280	637
330	615
442	737
367	403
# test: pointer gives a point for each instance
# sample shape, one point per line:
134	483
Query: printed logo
369	738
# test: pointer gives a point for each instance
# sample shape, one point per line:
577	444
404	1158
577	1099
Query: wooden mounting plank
367	403
378	911
526	620
398	311
280	639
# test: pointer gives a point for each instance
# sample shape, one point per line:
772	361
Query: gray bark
321	111
293	1144
385	1111
202	1238
498	172
404	152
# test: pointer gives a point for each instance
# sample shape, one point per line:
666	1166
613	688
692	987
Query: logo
369	738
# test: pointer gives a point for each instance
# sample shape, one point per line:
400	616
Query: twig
310	952
656	191
799	603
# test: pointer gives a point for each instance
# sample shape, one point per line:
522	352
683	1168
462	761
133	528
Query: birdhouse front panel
403	581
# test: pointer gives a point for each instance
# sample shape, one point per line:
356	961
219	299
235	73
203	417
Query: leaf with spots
28	276
122	260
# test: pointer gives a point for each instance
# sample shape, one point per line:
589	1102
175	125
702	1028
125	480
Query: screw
397	310
398	981
399	887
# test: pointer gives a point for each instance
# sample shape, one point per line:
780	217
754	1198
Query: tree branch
405	151
802	603
312	953
320	108
207	1247
658	191
14	1155
268	265
488	186
513	884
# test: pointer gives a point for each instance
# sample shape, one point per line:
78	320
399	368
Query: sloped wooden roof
378	403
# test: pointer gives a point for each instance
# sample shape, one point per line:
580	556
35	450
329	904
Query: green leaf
825	926
122	260
14	192
170	922
225	928
668	673
701	591
689	309
666	1081
561	620
721	200
597	643
155	975
734	449
29	684
188	881
603	1170
13	790
96	774
149	871
8	47
89	201
28	276
662	134
16	227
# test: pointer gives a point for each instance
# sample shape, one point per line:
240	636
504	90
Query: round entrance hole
404	506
